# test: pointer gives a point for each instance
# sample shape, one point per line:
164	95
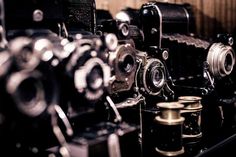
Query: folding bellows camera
74	81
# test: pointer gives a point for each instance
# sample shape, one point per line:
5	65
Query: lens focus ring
221	59
28	92
154	76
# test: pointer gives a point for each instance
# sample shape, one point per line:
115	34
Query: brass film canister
192	114
169	130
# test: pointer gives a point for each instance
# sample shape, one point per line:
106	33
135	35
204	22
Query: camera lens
228	62
154	76
91	78
95	78
124	29
111	41
123	64
22	50
221	60
26	53
126	63
28	92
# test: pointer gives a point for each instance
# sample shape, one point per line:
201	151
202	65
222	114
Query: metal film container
192	133
192	114
169	132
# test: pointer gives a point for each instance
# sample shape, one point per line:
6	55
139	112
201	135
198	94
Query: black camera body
35	69
159	18
76	83
195	66
81	16
210	67
122	59
30	14
103	139
60	16
170	26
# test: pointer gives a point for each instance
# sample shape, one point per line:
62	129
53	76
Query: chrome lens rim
127	63
158	65
22	49
21	83
82	74
221	60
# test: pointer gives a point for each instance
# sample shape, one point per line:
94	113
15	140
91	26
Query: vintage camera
121	26
211	63
79	63
195	66
64	17
79	68
106	24
198	63
152	77
72	84
129	15
87	72
158	18
103	139
81	16
78	59
30	80
30	14
122	59
48	71
28	88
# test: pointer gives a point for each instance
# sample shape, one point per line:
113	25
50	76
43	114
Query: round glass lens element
157	77
95	78
127	63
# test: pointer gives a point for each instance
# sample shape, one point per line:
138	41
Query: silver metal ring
81	74
145	73
32	106
221	60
